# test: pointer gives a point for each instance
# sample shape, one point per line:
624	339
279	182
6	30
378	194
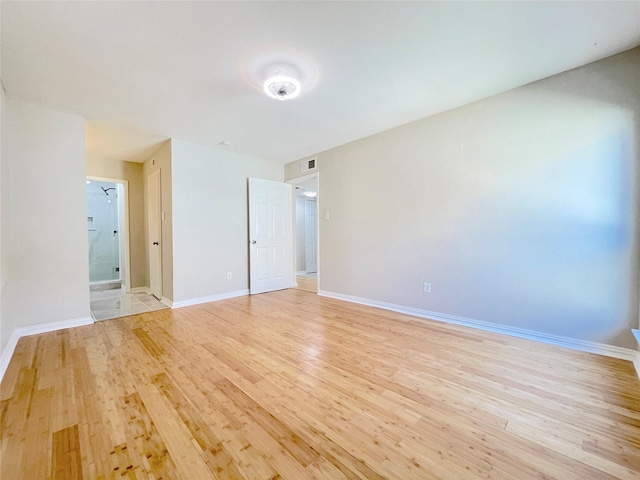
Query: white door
270	240
154	209
311	242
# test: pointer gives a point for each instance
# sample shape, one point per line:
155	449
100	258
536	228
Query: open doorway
110	273
107	234
108	238
306	232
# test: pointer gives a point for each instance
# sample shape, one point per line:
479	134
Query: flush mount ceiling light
282	87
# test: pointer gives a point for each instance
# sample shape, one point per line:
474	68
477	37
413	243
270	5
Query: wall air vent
309	164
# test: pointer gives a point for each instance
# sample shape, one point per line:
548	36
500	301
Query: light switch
326	215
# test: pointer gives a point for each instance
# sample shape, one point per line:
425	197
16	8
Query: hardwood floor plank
184	452
151	346
232	362
65	458
570	449
290	385
216	458
630	461
14	423
148	448
94	430
286	438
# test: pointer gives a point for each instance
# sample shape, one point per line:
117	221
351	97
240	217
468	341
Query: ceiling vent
309	164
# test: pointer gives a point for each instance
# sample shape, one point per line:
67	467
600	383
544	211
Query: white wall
210	218
6	324
520	209
44	240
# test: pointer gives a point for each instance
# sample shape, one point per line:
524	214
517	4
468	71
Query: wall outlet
229	275
427	287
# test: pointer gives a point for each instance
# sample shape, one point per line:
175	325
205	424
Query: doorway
111	295
107	233
306	232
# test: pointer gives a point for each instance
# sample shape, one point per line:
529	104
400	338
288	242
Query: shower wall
103	230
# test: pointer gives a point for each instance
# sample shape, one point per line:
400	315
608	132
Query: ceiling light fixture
310	194
282	87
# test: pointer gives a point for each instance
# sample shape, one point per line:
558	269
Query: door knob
156	243
253	242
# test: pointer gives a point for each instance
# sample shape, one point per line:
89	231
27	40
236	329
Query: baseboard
211	298
18	333
167	302
53	326
8	352
301	272
139	290
572	343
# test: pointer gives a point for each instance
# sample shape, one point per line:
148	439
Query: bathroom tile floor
107	304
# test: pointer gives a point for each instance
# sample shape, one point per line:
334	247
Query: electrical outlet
229	275
427	287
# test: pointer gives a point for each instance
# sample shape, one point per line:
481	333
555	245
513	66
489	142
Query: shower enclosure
103	207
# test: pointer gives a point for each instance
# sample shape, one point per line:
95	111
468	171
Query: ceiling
142	72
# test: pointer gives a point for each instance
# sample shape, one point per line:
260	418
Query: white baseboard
573	343
53	326
211	298
139	290
7	353
167	302
18	333
301	272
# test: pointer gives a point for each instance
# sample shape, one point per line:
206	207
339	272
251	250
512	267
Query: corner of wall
7	329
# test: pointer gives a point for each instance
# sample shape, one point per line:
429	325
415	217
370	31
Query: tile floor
115	303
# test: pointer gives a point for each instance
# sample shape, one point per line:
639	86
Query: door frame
294	182
149	245
307	201
124	237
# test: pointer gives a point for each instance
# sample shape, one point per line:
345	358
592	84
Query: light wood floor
289	385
